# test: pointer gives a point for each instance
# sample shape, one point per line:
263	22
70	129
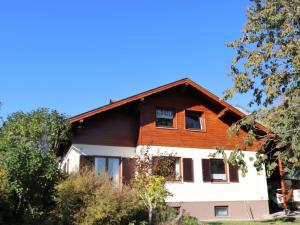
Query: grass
283	221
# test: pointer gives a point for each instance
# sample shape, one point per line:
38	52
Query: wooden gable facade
132	121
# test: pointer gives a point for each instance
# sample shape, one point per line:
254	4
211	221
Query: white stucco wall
73	154
251	187
71	160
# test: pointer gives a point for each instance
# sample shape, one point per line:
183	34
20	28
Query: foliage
171	216
28	142
189	220
84	198
235	158
150	187
41	129
267	65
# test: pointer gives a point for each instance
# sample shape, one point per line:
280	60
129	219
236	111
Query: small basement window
217	168
165	118
221	211
194	120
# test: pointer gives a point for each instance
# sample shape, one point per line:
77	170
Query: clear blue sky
75	55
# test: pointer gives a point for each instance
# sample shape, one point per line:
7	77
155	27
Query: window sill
220	182
222	217
196	130
167	128
174	182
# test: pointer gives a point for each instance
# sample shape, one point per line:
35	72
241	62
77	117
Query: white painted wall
251	187
73	155
105	150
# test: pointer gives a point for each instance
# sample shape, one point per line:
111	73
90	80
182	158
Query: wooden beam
80	124
282	184
222	112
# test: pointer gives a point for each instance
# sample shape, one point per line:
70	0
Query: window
164	118
217	168
194	120
221	211
214	170
168	167
108	167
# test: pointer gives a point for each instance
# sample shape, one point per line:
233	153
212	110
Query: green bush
189	220
167	215
85	199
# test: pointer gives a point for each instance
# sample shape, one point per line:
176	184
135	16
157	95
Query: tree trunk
150	217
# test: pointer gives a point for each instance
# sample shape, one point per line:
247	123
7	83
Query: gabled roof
185	81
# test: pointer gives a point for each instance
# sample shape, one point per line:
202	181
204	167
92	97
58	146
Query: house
180	118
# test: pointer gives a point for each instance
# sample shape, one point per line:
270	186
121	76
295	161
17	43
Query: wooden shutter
206	170
233	173
128	170
188	170
86	162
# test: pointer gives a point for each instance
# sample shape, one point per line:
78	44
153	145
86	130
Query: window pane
100	166
221	211
177	169
164	122
113	170
165	114
217	168
193	120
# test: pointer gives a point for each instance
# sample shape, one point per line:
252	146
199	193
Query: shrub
85	199
169	216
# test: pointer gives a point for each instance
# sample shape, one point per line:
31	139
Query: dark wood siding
113	128
134	124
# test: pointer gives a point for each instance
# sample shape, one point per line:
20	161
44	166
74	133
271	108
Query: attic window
194	120
164	118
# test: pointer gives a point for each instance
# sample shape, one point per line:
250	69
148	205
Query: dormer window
194	120
165	118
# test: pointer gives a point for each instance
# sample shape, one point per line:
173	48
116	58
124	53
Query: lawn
284	221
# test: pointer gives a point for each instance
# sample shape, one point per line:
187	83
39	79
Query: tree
28	143
267	65
150	187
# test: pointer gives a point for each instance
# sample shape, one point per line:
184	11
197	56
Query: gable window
164	118
108	167
221	211
194	120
